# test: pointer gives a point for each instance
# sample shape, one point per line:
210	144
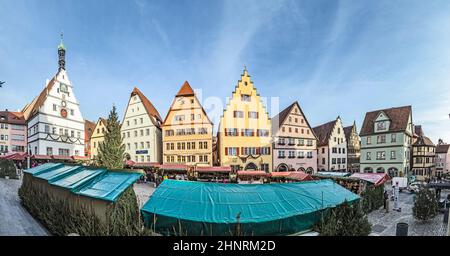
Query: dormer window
381	126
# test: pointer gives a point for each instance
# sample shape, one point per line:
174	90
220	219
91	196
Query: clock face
63	87
63	113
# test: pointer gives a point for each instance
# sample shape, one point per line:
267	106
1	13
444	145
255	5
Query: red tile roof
10	117
323	132
442	148
185	90
281	117
398	117
151	110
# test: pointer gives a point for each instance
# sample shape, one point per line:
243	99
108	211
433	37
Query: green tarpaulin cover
196	208
96	183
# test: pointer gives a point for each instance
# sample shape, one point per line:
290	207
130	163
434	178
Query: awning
252	173
334	174
16	156
83	158
58	157
213	169
297	175
173	167
375	178
41	157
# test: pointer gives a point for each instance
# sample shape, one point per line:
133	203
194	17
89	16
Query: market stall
294	176
213	173
205	208
252	177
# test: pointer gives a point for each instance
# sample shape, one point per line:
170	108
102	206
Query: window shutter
253	132
258	150
237	151
226	132
242	133
242	149
226	151
268	150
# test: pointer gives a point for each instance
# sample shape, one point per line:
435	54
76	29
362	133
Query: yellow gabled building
244	133
187	131
97	137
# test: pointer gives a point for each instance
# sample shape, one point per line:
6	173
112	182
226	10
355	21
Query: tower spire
62	54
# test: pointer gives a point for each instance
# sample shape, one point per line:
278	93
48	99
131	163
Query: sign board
140	152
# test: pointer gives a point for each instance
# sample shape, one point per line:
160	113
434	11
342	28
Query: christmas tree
111	150
425	206
345	220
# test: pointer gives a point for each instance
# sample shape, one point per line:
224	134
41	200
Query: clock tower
54	120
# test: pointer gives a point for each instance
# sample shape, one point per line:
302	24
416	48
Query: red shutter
242	133
226	132
237	151
226	151
242	149
253	132
268	150
258	150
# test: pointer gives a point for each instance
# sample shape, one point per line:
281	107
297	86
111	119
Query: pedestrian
386	198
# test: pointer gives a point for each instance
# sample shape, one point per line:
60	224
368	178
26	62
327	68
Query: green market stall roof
96	183
262	209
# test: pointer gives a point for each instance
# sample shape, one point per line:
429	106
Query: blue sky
335	57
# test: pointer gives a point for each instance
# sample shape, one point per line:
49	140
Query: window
249	151
245	97
265	151
291	141
128	123
128	134
343	160
142	120
231	132
291	154
142	132
72	134
343	151
78	135
135	133
232	151
71	112
263	133
253	114
393	154
301	142
369	140
147	132
381	139
54	107
333	160
281	154
340	150
381	155
147	144
369	156
47	128
135	121
296	120
323	160
238	114
63	152
49	151
247	132
281	141
300	154
135	145
323	150
309	143
393	137
128	146
339	130
381	126
334	150
179	118
168	132
309	154
202	131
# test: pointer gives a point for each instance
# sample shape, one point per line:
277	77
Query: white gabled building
141	130
54	120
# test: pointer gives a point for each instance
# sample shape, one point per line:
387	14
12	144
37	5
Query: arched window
368	170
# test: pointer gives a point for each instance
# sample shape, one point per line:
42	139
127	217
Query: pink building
13	133
442	159
294	141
